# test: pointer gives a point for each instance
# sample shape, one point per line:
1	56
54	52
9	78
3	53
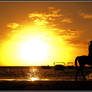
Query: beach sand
45	85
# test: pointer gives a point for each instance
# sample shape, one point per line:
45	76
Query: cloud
45	17
13	25
78	43
52	15
69	33
66	20
54	11
72	36
85	15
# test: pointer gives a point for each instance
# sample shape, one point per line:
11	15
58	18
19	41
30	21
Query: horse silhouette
82	60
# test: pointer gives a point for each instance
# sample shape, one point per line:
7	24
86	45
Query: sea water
39	74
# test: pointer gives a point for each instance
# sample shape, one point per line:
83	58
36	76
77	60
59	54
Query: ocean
40	74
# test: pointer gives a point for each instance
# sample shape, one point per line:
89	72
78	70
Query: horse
82	60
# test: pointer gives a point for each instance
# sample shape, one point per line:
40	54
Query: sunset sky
41	33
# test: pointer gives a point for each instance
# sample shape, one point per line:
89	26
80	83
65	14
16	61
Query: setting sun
34	51
35	45
42	36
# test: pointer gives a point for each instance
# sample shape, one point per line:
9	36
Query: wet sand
45	85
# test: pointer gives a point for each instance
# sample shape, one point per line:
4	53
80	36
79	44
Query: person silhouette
90	49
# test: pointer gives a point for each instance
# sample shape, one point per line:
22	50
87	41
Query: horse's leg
76	76
82	73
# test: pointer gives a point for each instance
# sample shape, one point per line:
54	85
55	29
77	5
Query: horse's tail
76	61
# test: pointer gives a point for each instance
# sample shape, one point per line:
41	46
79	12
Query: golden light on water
34	79
39	79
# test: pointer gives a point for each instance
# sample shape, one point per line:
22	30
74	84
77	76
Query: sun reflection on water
35	76
34	79
38	79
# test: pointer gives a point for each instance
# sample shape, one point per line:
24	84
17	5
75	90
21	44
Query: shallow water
38	74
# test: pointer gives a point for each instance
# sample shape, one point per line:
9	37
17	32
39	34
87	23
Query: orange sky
41	33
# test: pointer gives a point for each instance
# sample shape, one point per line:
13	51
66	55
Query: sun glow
34	44
34	51
29	45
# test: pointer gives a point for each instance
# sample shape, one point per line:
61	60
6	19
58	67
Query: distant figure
90	49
